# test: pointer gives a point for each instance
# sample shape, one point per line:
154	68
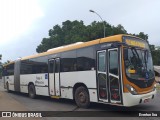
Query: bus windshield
138	64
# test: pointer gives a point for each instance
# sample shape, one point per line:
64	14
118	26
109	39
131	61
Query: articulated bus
115	70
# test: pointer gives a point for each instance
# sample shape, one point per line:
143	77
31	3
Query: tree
142	35
119	30
155	54
69	32
76	31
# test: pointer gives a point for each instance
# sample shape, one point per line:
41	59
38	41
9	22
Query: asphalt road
48	104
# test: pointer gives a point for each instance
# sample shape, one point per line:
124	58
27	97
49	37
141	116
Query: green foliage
155	54
75	31
142	35
8	61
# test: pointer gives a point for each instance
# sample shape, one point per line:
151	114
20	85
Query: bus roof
79	45
8	63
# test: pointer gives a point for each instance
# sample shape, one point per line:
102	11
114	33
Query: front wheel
32	91
82	97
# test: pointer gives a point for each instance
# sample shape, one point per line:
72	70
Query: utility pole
104	29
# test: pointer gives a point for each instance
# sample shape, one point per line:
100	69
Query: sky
24	23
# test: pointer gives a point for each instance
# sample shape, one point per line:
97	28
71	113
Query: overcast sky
24	23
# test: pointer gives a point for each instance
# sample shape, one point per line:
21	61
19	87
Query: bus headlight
131	89
154	87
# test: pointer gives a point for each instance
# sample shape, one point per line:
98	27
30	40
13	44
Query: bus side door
114	75
54	77
109	75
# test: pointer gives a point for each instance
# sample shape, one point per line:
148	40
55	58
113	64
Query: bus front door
114	75
108	74
102	76
54	77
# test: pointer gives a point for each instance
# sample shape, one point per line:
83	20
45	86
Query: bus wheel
32	91
82	97
7	85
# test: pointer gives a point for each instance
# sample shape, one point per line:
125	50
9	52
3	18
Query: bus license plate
146	100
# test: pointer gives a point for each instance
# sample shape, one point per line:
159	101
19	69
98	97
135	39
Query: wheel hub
82	97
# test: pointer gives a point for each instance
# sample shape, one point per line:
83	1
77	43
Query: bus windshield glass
138	63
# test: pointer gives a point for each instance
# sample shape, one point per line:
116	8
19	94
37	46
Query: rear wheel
82	97
32	91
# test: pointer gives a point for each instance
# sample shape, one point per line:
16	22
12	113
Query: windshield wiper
135	53
135	50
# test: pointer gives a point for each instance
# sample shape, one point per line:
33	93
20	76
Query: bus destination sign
135	43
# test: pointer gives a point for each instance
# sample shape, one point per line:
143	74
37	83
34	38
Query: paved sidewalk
7	103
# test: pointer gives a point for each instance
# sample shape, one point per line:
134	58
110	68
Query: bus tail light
131	89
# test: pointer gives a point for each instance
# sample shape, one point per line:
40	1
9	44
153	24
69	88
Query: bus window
101	62
113	65
85	59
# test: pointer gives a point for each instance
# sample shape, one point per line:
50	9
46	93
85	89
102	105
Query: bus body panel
93	95
17	75
10	80
40	81
5	82
87	77
42	90
67	80
67	93
132	100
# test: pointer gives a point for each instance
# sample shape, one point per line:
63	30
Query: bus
115	70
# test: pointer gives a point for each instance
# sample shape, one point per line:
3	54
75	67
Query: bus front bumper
132	100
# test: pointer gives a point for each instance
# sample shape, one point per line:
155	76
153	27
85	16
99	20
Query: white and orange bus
114	70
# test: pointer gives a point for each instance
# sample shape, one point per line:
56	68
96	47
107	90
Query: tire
7	86
82	97
32	91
